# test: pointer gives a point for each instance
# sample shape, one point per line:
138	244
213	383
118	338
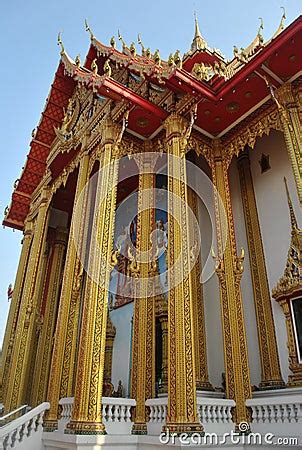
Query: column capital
110	131
61	236
285	95
175	125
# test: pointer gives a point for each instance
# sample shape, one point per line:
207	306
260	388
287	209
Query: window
296	309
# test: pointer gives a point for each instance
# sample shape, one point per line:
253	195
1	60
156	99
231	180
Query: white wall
274	220
121	319
246	281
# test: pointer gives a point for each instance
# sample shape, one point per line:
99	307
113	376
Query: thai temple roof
225	92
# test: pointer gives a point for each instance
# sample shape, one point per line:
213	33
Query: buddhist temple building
159	287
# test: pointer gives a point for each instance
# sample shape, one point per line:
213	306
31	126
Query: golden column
182	408
87	409
270	366
229	269
45	344
14	309
63	355
21	355
288	106
143	360
202	376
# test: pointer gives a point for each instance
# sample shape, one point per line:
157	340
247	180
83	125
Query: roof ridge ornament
281	25
244	54
140	42
87	28
60	43
120	38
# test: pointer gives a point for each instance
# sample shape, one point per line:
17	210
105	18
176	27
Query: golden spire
198	42
293	219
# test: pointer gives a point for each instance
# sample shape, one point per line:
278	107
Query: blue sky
30	57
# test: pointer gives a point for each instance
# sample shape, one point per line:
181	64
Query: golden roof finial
261	27
112	42
78	61
198	42
60	43
107	68
292	215
140	42
120	38
282	23
87	28
94	66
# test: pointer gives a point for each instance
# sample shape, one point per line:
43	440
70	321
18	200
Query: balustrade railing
25	431
116	414
280	415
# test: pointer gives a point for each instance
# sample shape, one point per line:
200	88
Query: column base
271	385
179	428
139	428
85	428
204	386
295	380
50	425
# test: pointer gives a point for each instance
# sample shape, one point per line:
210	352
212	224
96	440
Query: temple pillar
229	268
52	291
87	409
63	355
14	309
288	106
143	356
182	406
17	388
201	366
270	367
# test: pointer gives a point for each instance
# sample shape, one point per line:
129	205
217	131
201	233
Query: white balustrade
157	416
215	414
25	431
280	414
116	414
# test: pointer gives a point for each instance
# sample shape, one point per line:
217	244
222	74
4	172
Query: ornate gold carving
259	127
45	342
270	366
11	324
182	410
87	410
19	370
229	268
60	381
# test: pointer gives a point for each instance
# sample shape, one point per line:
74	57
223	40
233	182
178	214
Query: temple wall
211	305
121	358
246	282
274	220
